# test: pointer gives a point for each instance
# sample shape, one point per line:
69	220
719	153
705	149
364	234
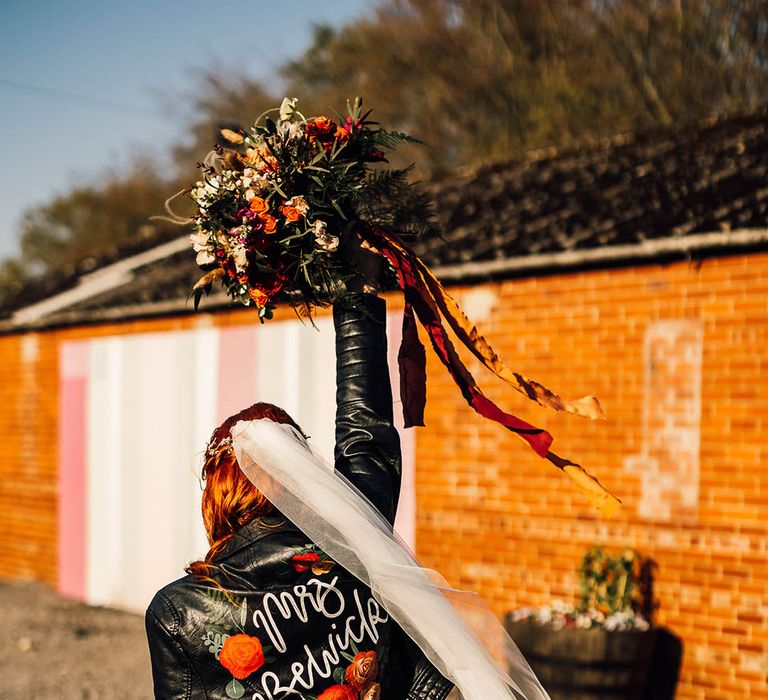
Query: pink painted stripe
237	370
405	523
73	390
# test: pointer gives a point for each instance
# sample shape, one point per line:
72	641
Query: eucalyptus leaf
235	689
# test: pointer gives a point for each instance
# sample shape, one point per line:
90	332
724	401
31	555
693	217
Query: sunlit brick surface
495	518
658	344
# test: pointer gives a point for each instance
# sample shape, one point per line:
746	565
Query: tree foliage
477	80
484	79
94	220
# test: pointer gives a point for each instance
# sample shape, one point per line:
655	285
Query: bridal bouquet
273	207
275	200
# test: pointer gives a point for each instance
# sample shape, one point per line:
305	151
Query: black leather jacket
315	621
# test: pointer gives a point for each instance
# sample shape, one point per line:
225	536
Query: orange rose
320	126
260	299
260	158
371	692
323	131
338	692
290	213
270	223
342	135
241	655
363	669
258	205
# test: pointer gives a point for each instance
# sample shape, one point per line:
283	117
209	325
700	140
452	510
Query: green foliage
222	610
483	79
616	582
91	219
393	202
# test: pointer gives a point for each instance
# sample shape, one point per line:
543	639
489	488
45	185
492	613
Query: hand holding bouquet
292	210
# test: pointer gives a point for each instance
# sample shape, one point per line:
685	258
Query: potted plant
602	646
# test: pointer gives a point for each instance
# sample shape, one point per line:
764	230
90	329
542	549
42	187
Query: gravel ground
52	648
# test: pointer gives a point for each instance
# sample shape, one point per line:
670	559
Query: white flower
324	240
300	205
205	257
199	241
240	257
293	131
287	108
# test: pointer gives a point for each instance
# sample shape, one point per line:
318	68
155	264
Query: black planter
588	664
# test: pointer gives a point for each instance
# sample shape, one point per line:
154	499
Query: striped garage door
135	414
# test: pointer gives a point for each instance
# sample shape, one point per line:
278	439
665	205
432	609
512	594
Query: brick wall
29	378
676	354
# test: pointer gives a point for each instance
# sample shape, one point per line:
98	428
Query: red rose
241	655
338	692
310	558
363	669
324	131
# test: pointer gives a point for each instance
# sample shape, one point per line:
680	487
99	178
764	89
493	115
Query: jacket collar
252	532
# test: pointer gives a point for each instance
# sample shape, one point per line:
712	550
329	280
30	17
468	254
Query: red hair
230	500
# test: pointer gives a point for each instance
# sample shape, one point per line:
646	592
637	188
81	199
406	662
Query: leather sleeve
172	673
367	444
428	683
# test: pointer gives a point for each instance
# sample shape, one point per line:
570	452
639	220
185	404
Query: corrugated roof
626	190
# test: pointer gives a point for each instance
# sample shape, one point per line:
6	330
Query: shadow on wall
665	666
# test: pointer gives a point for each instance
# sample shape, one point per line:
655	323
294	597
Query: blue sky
86	84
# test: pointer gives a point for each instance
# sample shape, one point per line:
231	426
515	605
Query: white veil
448	625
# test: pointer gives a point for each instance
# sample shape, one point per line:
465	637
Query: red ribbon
412	356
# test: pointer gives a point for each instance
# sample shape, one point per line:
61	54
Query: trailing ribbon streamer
427	300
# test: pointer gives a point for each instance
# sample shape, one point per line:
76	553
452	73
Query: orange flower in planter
241	655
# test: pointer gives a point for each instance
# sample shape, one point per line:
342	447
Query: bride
305	592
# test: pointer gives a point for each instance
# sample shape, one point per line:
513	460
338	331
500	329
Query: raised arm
367	444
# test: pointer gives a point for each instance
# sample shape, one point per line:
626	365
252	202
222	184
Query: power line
74	97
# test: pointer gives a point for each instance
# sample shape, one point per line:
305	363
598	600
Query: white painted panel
296	370
159	420
317	374
152	404
104	460
204	408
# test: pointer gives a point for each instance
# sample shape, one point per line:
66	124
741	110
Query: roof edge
645	251
101	280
